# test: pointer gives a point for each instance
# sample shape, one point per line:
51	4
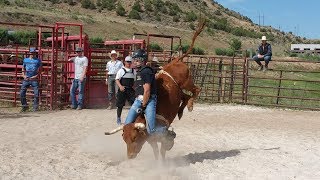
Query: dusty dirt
213	142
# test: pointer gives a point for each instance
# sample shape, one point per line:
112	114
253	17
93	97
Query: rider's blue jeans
150	113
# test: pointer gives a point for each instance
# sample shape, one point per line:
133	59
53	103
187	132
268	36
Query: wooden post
279	87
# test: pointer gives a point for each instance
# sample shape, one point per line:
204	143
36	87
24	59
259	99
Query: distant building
303	48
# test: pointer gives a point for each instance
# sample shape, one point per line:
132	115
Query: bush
218	13
221	24
148	5
136	6
155	47
120	10
158	4
108	4
133	14
4	2
293	55
164	10
220	51
158	18
198	51
195	50
87	4
235	44
191	25
230	52
22	37
71	2
176	18
191	16
96	42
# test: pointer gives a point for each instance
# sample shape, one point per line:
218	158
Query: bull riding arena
222	140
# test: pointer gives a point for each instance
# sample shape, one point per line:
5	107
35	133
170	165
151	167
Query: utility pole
262	19
259	19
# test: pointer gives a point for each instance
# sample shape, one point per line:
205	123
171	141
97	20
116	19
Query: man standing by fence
30	73
113	66
80	70
264	54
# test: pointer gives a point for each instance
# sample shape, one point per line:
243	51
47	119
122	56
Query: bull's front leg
155	148
185	100
163	152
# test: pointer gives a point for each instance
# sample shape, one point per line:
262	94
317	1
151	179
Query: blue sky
299	17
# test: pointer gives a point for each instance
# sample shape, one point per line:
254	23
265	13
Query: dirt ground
213	142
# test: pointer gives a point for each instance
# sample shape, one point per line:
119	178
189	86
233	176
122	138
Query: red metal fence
289	83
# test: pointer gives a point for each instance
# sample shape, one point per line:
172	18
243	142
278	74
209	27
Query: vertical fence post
279	87
220	81
231	79
245	80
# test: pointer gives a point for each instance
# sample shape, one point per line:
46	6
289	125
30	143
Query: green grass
292	84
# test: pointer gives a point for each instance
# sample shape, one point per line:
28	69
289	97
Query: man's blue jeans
266	59
77	84
150	113
24	87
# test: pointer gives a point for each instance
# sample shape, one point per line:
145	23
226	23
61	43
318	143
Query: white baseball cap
264	38
128	59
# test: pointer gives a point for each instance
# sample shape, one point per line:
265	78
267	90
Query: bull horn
140	126
114	131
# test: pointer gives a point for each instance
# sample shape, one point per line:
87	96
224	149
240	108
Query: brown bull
175	91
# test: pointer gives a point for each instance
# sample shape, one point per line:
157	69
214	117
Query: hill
119	19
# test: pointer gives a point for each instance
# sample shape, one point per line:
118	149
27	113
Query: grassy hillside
119	19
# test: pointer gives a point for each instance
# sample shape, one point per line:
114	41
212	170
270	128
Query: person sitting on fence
264	54
125	80
30	72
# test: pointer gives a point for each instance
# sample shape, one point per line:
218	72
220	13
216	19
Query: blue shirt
31	66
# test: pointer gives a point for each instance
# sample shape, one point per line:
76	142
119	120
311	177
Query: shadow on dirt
193	158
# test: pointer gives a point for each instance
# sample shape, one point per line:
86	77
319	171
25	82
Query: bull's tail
200	27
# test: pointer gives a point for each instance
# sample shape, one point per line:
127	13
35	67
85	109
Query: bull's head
134	134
